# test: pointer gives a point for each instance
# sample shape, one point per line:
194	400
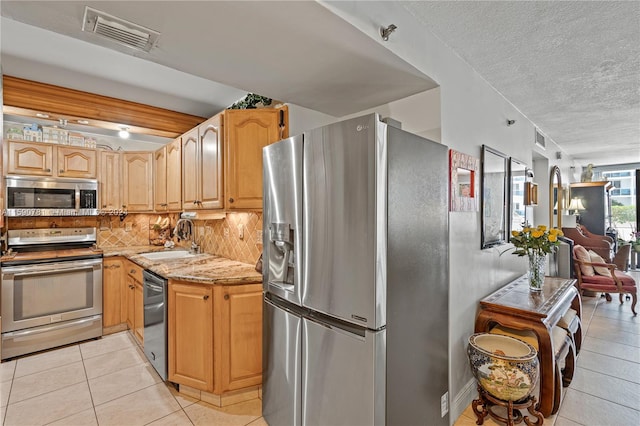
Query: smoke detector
119	30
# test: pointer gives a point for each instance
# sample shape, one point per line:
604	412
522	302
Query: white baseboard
463	399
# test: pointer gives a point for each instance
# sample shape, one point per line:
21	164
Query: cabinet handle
226	297
104	206
61	171
205	297
163	205
47	170
124	206
131	287
231	200
133	271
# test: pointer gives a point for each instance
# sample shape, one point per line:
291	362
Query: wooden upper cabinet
76	162
202	166
174	175
246	133
160	179
190	142
110	180
210	179
138	181
26	158
39	159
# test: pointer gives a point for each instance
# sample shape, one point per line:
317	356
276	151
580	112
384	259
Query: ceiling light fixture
510	122
124	133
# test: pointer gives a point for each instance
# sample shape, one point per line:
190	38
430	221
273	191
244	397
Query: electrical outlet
128	226
241	231
225	232
444	404
259	235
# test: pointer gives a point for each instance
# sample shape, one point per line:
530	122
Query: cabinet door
110	179
174	176
130	290
238	326
76	162
138	313
246	133
137	176
111	292
190	169
29	159
190	332
210	179
160	179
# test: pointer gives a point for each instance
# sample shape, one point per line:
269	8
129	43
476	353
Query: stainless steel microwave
37	196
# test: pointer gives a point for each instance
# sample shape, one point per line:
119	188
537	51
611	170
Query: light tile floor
110	382
606	385
104	382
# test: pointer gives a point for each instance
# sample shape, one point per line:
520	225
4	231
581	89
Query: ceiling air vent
540	140
119	30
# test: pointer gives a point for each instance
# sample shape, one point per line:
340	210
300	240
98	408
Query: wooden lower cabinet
134	302
215	336
190	327
111	292
138	317
238	332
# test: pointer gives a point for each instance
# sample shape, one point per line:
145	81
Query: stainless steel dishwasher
155	321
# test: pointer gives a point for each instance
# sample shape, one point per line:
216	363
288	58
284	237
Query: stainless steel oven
50	297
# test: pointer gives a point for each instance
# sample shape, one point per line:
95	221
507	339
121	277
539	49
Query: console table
516	307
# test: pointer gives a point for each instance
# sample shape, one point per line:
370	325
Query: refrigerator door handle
355	333
282	286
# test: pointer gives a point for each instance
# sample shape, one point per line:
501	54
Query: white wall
472	114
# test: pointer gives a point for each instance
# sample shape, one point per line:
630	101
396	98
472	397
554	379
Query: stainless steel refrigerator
355	277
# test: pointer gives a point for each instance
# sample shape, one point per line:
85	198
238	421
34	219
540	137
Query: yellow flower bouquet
538	240
535	243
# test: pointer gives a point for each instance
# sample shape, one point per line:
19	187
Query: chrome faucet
185	231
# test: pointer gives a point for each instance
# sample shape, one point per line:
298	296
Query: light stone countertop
201	268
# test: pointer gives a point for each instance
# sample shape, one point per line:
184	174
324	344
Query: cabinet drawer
134	271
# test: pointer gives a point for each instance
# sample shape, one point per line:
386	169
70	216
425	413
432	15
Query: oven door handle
51	267
52	327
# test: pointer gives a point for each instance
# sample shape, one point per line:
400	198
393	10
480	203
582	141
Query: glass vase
537	267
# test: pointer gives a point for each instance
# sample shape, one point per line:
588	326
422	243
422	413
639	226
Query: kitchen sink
164	255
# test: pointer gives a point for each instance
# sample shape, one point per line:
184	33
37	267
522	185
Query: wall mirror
463	176
517	181
556	199
494	197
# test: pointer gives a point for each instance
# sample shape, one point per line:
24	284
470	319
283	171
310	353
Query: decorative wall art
464	170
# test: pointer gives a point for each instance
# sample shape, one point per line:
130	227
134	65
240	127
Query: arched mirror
556	199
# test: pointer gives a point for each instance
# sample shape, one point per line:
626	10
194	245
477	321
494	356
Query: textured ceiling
572	67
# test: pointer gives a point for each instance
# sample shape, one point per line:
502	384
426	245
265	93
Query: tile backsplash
238	236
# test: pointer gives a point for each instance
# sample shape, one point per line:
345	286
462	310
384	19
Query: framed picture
494	217
463	177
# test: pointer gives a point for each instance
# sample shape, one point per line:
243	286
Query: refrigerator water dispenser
281	259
